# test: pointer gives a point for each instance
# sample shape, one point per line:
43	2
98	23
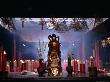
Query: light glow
4	52
21	61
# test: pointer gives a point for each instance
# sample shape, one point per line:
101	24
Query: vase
40	71
69	70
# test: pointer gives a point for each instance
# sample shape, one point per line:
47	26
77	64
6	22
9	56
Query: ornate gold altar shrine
54	56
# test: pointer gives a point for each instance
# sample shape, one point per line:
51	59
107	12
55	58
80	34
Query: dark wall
99	33
6	38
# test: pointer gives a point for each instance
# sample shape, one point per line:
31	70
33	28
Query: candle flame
4	52
91	57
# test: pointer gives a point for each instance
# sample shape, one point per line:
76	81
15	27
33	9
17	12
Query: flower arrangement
41	69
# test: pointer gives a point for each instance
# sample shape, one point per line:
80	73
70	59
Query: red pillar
83	51
14	49
82	54
82	68
36	65
1	53
0	61
97	55
75	66
23	67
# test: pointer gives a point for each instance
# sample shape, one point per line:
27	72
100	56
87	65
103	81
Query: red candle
75	65
82	68
36	65
4	60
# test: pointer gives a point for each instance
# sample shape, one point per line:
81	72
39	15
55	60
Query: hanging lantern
60	25
76	24
23	20
8	23
52	23
84	24
42	22
98	21
5	20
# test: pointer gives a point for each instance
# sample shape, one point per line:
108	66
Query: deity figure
54	59
54	56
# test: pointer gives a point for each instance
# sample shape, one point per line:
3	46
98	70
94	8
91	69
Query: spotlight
32	60
73	44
